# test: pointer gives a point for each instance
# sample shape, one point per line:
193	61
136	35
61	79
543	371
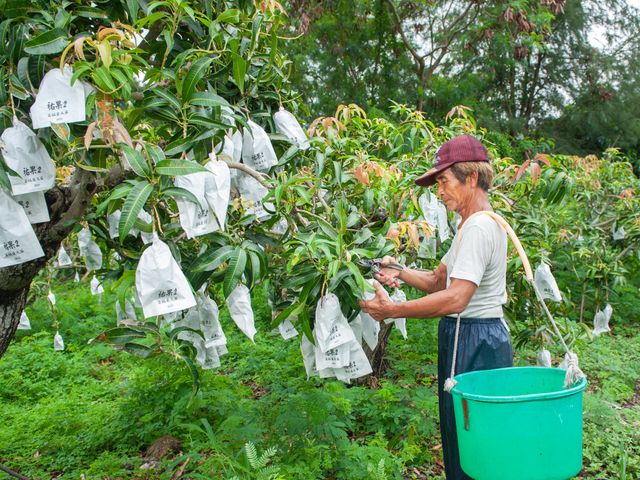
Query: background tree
558	69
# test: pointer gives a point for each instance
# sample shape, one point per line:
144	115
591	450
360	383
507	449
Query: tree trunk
11	307
376	357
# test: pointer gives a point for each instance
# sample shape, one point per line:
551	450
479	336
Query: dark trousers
483	344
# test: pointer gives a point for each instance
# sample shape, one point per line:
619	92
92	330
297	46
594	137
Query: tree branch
416	56
309	184
260	177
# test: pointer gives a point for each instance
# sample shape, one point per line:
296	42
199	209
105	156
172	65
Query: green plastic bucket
518	423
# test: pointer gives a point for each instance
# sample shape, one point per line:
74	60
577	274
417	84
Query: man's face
451	191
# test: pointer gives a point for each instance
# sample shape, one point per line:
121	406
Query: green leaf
132	7
120	335
103	79
362	236
169	97
305	322
235	269
292	310
193	76
178	167
90	12
180	192
239	70
194	373
4	180
138	350
207	99
137	161
47	43
134	202
229	16
79	69
363	285
173	334
118	192
154	152
212	259
178	146
91	168
256	267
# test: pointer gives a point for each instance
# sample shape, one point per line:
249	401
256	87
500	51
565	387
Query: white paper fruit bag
18	241
252	193
239	303
257	151
24	324
96	286
308	356
601	320
358	365
58	342
195	219
435	213
160	283
58	101
35	206
398	296
90	250
218	190
287	330
331	327
544	358
25	154
114	220
336	357
129	312
370	326
546	283
288	125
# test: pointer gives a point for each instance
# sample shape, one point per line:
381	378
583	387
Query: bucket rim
565	392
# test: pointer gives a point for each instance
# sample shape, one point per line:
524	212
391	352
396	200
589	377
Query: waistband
468	320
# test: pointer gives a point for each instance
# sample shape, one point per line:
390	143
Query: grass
93	411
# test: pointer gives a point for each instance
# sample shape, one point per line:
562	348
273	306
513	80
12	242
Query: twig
260	177
180	471
13	473
309	184
301	219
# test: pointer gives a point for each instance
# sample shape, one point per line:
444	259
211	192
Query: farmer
470	281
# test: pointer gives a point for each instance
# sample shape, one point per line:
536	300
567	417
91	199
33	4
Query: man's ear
472	180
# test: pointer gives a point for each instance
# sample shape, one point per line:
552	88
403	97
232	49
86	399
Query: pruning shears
374	264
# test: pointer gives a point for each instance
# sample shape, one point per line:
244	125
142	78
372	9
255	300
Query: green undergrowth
93	411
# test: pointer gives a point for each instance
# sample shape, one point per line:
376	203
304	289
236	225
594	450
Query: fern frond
252	455
377	473
266	456
269	473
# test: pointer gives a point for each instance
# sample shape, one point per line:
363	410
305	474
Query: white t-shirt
480	256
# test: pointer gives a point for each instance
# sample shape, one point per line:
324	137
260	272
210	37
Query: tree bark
376	358
11	306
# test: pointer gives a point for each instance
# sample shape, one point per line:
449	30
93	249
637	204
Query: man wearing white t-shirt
470	281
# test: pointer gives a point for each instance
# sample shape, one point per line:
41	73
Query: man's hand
388	276
380	306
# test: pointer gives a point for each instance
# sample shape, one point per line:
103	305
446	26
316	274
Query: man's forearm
438	304
427	281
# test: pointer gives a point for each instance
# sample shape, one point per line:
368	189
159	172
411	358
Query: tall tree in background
384	50
524	67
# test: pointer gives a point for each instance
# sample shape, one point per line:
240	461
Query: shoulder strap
512	235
